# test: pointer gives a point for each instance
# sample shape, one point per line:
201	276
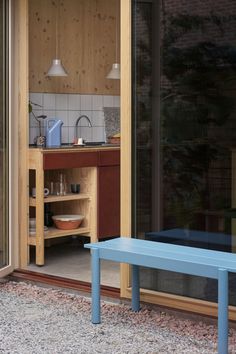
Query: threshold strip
27	275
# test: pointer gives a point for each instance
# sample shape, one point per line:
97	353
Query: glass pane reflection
184	132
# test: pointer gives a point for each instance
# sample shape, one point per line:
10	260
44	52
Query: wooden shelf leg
39	216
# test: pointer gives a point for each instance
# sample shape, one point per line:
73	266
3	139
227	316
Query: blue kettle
53	132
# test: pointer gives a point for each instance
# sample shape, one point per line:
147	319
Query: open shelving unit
83	203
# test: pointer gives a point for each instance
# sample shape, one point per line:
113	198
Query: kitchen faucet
77	123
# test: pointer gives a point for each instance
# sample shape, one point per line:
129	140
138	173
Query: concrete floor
71	260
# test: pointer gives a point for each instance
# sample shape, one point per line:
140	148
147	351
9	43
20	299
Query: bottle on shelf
62	184
48	221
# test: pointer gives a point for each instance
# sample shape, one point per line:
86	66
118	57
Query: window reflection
184	60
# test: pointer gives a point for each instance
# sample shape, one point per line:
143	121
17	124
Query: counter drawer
69	160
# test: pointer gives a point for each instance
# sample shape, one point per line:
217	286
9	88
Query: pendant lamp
56	69
114	73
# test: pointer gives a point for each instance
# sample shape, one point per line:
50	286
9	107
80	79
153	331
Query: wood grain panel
86	45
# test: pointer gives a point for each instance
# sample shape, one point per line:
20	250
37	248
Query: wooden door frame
125	129
21	123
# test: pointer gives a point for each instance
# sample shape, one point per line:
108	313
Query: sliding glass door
184	132
4	132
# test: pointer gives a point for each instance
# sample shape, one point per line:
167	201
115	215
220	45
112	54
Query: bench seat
182	259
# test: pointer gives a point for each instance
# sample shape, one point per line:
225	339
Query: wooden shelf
60	198
54	232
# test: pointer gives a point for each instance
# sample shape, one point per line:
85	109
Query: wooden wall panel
87	45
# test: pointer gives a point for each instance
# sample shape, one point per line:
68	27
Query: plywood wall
86	45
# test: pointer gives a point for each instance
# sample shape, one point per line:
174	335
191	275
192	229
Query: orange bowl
67	222
113	140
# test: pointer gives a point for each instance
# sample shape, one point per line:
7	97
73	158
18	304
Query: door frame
21	119
12	151
125	130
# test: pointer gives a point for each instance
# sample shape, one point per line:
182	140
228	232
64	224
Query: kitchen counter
97	170
76	148
73	156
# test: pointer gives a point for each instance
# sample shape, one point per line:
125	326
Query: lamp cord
116	39
117	32
57	11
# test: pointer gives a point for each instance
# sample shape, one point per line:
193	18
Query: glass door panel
184	132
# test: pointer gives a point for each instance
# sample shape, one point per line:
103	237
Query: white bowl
32	222
67	217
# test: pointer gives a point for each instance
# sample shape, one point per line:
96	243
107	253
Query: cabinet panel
108	201
109	158
69	160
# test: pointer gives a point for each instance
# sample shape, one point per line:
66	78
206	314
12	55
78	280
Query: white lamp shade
115	72
56	69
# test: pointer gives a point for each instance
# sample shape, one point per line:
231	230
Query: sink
94	143
88	144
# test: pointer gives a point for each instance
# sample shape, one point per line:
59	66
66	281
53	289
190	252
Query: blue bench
182	259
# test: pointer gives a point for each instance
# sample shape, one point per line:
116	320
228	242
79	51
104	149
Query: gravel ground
41	320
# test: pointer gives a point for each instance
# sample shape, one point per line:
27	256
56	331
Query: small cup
46	192
80	141
32	223
75	187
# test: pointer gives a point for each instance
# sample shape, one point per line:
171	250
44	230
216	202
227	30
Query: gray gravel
38	321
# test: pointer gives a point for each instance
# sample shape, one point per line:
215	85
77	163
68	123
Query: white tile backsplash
74	102
64	134
97	119
108	101
97	102
72	117
61	101
71	134
68	108
49	101
63	115
51	114
86	133
32	121
98	134
86	102
36	98
116	101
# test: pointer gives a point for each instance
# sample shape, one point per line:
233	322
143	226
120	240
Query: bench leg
95	286
135	288
223	312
